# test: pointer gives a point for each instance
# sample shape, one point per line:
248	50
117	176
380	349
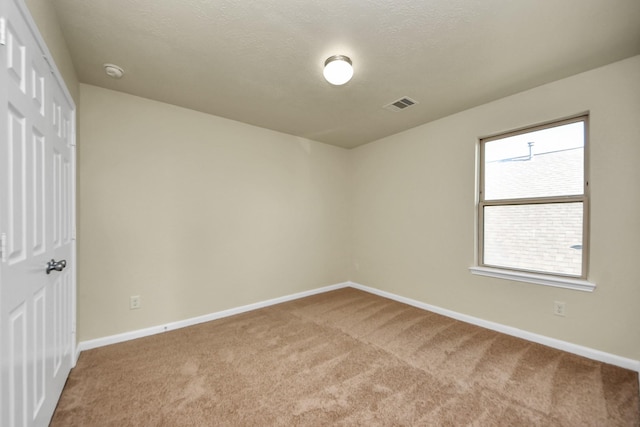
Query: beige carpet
343	358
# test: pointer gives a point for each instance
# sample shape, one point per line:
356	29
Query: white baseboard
126	336
587	352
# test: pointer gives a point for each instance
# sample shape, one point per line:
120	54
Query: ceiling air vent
400	104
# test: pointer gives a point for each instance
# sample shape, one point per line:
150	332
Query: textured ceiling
260	61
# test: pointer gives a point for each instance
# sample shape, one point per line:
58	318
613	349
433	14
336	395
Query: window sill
538	279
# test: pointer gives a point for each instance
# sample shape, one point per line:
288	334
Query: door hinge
3	247
3	32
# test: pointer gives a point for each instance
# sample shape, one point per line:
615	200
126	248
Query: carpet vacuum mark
342	358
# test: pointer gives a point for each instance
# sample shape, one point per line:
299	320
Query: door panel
37	179
17	380
38	193
40	348
16	187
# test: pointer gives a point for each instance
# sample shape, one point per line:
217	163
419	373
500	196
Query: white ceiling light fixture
113	71
338	69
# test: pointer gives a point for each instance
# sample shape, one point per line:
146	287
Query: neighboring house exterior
542	237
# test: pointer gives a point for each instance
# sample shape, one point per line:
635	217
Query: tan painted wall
45	17
414	213
198	214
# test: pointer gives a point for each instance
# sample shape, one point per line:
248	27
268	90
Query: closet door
37	271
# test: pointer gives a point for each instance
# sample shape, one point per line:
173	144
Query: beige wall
198	214
46	19
414	213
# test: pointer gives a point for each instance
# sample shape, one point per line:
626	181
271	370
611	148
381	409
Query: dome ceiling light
338	69
113	71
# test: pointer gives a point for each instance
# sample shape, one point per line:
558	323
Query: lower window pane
540	237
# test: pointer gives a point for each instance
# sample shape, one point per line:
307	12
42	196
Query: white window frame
542	278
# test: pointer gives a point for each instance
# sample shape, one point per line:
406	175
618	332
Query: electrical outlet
135	302
559	308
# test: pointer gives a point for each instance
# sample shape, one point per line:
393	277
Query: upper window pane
543	163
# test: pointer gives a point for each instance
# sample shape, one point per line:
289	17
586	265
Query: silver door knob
56	265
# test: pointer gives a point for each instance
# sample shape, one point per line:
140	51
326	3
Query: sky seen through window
545	141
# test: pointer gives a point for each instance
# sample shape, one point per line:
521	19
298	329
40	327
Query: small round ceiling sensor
113	71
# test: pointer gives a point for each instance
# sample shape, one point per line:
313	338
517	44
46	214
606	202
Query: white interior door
37	181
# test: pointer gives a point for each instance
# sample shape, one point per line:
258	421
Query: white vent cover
400	104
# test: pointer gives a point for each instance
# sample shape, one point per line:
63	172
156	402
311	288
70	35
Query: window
532	212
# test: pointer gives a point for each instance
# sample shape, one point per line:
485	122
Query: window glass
532	200
542	237
544	163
